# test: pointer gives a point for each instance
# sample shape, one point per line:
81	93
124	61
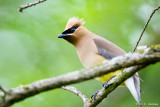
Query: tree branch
77	92
147	55
145	27
3	89
20	9
120	78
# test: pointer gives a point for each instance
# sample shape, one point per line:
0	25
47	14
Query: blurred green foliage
30	49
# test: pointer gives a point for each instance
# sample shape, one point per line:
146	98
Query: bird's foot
105	85
93	97
108	82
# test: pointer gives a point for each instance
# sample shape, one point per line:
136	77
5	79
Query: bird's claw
108	83
105	85
93	97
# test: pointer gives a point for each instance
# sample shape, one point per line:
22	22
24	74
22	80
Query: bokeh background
30	49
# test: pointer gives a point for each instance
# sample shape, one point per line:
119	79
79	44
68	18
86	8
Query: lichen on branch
144	56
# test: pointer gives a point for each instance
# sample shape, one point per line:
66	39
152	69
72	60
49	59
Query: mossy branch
143	57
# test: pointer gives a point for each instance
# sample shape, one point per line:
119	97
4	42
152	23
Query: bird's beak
62	35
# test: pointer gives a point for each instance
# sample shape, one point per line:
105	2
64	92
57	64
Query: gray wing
107	49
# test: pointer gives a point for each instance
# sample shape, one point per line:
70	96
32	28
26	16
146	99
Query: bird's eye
71	30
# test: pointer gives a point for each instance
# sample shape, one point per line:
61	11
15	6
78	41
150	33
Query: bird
93	50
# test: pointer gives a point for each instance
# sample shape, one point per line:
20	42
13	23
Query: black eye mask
70	30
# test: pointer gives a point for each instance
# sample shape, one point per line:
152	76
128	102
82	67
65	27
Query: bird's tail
133	84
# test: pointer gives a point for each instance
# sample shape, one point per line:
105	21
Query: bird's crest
74	22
